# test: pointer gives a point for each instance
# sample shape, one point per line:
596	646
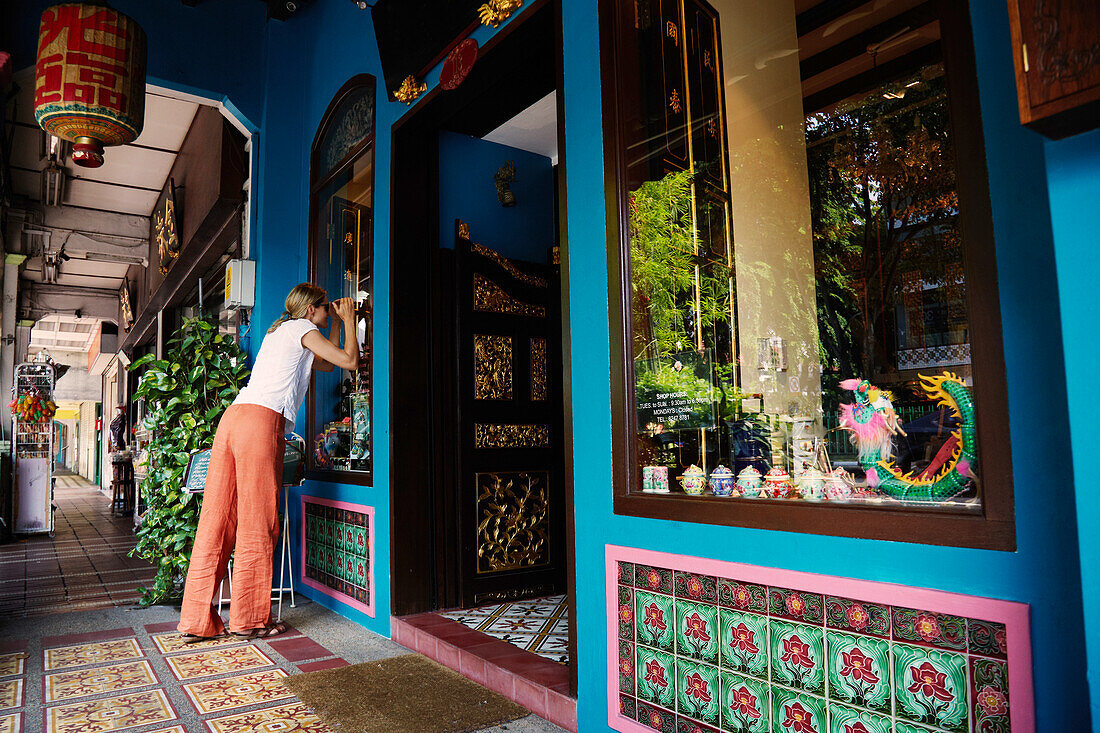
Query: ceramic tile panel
336	550
694	649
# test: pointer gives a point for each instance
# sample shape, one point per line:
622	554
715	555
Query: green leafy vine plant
185	395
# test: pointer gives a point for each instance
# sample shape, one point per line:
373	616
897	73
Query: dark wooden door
508	473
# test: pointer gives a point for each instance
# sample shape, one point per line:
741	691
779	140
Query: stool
122	488
277	589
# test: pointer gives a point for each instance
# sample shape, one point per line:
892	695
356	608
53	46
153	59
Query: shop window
804	267
342	261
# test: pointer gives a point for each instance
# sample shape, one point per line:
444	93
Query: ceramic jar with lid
693	480
721	481
749	482
777	484
811	485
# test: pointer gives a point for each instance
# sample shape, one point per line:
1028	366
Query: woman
240	505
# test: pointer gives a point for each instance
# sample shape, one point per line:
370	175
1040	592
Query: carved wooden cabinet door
1056	47
509	466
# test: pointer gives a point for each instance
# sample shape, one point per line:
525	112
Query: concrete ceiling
61	332
535	129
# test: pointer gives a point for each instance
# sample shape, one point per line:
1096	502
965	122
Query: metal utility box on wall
240	284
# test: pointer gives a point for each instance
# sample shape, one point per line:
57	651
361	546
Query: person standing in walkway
240	504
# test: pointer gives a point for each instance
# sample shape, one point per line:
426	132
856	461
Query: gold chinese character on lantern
89	80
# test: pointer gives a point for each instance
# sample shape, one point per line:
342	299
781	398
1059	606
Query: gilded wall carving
488	435
538	369
490	298
513	521
492	367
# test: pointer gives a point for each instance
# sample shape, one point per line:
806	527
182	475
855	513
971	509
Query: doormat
406	694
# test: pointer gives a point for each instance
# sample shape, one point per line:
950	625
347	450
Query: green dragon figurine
873	423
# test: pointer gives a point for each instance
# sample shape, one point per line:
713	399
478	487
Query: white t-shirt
281	373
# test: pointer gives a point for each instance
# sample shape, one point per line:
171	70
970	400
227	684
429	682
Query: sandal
195	638
263	632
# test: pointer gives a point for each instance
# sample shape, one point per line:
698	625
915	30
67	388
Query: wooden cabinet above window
1056	50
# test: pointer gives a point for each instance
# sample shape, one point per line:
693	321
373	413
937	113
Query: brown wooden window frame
318	182
993	527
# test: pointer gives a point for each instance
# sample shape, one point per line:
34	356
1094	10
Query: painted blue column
1073	173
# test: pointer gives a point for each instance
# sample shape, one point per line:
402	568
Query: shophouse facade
281	78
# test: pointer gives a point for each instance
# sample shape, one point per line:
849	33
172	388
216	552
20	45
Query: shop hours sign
674	392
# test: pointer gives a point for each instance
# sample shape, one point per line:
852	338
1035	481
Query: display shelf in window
801	271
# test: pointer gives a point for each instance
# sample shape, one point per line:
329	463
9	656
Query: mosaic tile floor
131	674
83	566
539	625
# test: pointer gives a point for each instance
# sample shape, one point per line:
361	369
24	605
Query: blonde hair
301	297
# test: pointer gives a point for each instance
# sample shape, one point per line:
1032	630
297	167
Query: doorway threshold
536	683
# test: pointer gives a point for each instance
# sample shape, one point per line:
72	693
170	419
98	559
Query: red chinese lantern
89	80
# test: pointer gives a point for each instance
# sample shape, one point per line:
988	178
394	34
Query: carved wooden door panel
509	472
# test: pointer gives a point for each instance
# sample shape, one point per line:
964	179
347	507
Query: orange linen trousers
239	511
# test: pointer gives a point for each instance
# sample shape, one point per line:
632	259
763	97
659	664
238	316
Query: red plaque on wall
458	64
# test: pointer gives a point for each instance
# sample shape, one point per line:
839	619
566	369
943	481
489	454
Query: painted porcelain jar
748	482
655	479
693	480
721	481
836	488
777	484
811	485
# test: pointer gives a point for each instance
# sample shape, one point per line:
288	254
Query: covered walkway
84	566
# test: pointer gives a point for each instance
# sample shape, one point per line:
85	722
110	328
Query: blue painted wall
282	76
1073	172
466	191
1043	571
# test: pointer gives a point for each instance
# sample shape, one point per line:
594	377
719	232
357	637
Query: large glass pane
799	320
342	265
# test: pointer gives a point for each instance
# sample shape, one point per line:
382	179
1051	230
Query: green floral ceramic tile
746	707
925	627
851	720
627	660
656	674
987	638
657	580
859	670
695	587
989	681
360	539
654	620
697	631
341	562
656	718
796	605
857	616
798	656
742	596
698	694
797	712
744	642
625	612
930	687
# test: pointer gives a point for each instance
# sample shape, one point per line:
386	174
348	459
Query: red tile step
536	683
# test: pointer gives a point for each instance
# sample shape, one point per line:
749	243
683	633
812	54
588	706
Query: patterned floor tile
110	713
293	718
11	694
11	723
173	729
217	696
173	642
117	650
217	661
539	625
84	682
12	663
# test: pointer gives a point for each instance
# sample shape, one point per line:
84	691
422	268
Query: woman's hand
344	309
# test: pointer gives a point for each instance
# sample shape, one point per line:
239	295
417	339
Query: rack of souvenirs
32	409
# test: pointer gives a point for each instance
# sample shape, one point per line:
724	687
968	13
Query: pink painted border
334	594
1015	616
